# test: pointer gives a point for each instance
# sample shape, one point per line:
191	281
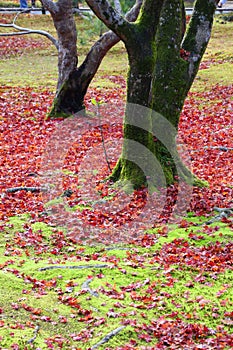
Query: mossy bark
70	97
160	78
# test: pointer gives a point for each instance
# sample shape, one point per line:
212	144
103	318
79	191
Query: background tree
73	81
163	62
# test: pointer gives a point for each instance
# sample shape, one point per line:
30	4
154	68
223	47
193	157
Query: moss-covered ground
179	273
170	289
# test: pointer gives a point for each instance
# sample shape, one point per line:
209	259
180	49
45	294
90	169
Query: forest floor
92	268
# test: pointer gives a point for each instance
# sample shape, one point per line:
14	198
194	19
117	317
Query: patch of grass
217	50
216	74
23	71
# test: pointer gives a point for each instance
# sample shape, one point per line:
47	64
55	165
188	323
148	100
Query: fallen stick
74	267
223	213
85	286
30	341
108	337
66	193
221	148
27	189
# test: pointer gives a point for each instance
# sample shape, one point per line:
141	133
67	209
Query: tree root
108	337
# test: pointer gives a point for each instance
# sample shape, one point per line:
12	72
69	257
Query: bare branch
30	341
219	148
132	14
85	286
24	31
27	189
224	213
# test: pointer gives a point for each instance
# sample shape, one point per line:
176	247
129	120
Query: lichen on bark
159	79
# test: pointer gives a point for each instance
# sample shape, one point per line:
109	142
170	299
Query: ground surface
167	287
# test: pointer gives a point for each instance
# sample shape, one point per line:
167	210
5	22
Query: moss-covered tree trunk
134	164
163	62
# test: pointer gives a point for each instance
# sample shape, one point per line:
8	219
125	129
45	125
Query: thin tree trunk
72	89
63	19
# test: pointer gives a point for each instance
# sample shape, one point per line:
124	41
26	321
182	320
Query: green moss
200	183
192	300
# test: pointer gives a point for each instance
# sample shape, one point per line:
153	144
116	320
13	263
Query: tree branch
220	148
117	5
224	213
23	31
170	31
151	10
85	286
198	33
27	189
111	18
30	341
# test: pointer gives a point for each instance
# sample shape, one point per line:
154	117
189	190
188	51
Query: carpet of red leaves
206	131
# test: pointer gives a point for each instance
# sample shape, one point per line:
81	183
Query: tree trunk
70	96
73	82
62	15
163	64
63	19
136	163
163	88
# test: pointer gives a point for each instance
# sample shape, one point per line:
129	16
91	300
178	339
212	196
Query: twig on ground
223	213
27	189
219	148
74	267
30	341
85	286
117	248
66	193
102	137
108	337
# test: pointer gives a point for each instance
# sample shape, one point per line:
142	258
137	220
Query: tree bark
72	88
63	19
163	63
